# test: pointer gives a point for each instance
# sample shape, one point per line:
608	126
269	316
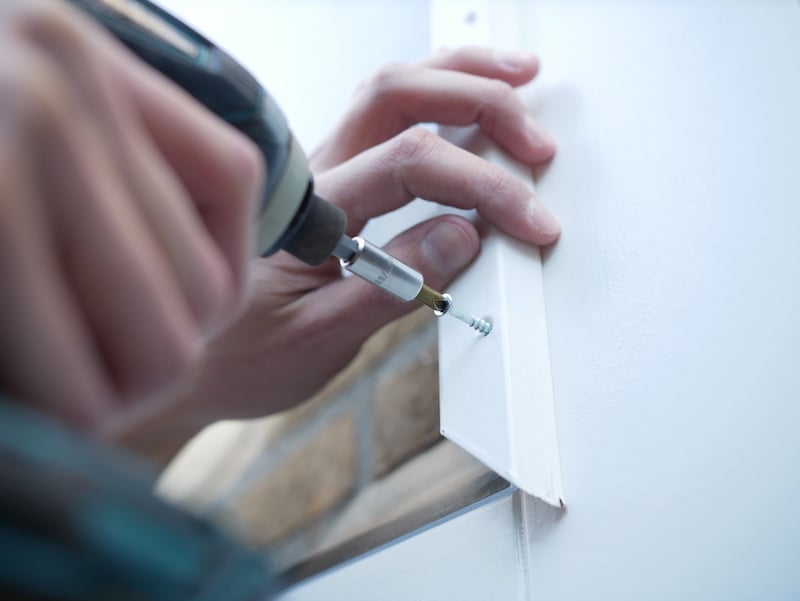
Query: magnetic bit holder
398	279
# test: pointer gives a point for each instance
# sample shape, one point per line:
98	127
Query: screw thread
481	325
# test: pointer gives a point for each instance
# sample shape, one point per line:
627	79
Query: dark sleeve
79	521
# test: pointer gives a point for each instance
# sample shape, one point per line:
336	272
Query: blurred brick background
363	451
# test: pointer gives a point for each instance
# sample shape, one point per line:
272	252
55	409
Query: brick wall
345	461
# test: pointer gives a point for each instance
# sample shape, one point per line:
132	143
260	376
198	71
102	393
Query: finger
223	171
121	278
438	248
46	352
452	98
402	96
199	265
515	68
201	271
420	164
220	168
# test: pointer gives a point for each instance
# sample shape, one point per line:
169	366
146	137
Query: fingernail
447	248
537	134
542	219
515	61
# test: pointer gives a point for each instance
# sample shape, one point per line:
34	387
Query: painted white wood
496	392
672	297
473	557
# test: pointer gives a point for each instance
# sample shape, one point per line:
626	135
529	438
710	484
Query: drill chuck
314	233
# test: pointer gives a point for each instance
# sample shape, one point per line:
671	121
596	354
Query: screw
442	304
481	325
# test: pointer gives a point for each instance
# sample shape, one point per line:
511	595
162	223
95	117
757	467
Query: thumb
438	248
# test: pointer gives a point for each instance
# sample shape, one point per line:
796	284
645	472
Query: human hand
304	324
124	211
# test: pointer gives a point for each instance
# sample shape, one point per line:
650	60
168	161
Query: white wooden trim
496	392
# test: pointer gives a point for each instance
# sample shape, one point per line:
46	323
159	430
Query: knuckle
50	26
239	177
500	92
412	145
461	54
32	93
501	184
248	170
386	82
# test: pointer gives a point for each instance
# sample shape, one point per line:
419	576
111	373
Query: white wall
673	297
311	54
